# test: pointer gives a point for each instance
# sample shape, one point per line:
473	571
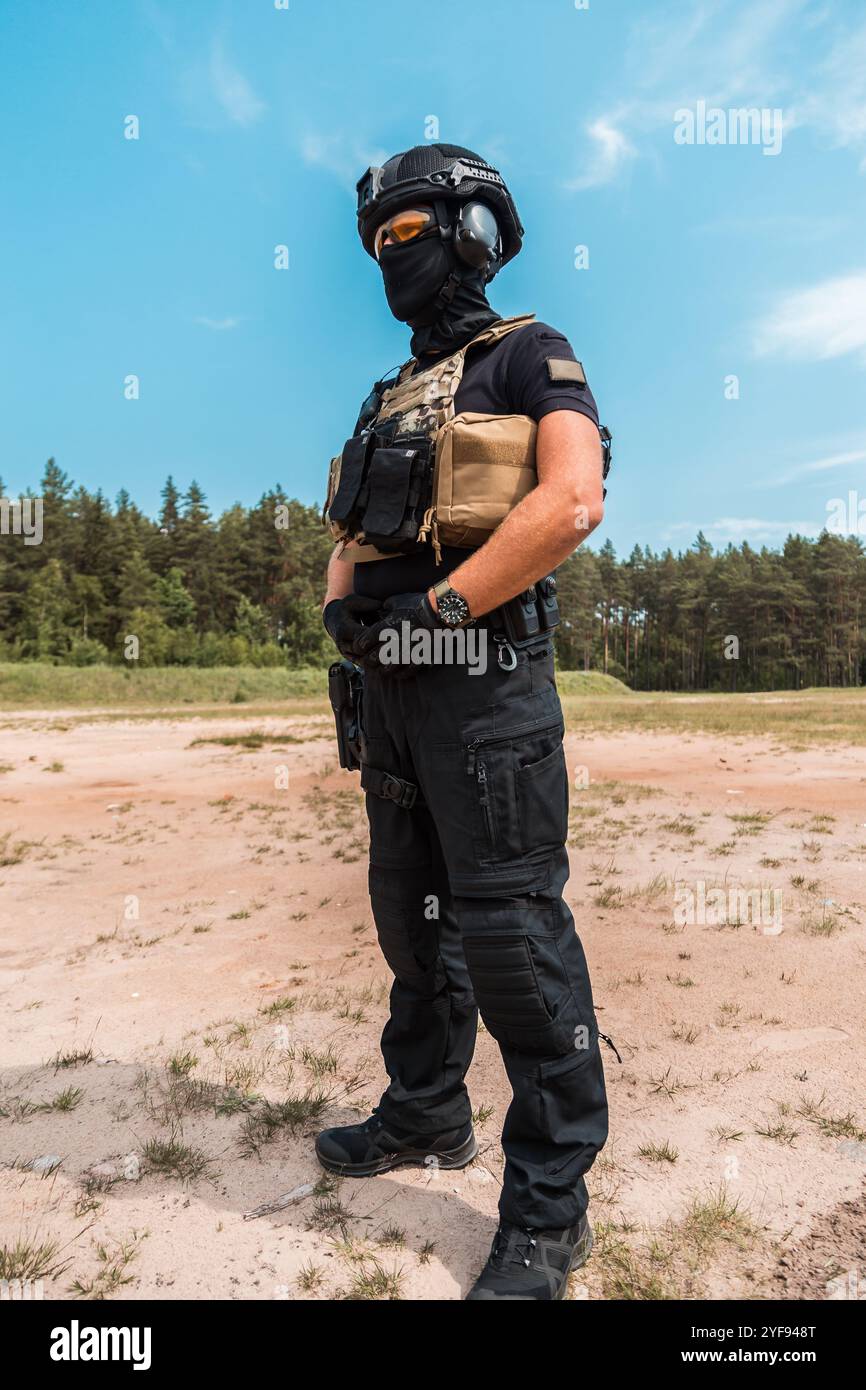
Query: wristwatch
452	607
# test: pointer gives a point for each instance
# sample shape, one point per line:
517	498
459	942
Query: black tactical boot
529	1264
358	1151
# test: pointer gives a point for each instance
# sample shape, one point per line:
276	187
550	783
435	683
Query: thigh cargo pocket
520	792
522	992
542	800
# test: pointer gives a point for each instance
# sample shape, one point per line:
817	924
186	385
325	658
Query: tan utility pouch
333	483
485	465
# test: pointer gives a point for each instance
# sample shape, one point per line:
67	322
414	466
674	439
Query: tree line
246	587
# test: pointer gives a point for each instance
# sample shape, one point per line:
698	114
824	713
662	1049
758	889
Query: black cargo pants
466	890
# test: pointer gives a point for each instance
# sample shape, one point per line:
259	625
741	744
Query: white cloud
823	322
343	157
777	54
612	149
822	465
217	325
836	101
231	89
753	529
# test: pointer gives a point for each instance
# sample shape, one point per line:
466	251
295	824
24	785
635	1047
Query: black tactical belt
528	618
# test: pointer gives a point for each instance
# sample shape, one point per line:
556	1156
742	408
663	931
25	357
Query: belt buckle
398	791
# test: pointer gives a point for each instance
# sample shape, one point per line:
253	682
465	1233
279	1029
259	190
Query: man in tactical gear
466	482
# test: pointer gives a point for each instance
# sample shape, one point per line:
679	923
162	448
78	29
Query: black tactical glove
344	621
413	609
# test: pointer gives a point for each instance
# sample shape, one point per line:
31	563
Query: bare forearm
341	577
530	543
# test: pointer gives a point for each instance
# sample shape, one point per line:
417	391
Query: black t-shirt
511	377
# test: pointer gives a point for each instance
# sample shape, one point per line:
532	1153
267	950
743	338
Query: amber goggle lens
403	226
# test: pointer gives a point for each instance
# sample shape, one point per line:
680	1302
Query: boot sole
408	1158
582	1252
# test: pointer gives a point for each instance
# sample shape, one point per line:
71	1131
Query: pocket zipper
484	798
492	740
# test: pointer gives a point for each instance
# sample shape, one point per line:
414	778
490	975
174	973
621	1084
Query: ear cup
476	237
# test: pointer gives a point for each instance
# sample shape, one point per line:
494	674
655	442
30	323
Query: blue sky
155	256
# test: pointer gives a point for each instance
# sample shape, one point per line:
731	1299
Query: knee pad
523	992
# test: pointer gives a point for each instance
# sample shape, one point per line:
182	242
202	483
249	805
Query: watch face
453	609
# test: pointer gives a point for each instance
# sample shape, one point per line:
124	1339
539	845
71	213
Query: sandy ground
187	947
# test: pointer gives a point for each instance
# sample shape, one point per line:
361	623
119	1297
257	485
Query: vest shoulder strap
497	330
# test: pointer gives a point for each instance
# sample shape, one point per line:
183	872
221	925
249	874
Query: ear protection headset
475	235
477	240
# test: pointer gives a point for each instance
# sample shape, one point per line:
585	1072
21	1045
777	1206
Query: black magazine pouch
389	478
353	461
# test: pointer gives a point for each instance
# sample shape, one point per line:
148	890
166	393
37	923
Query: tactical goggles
403	226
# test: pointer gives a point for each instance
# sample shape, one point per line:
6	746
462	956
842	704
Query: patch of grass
821	921
12	852
31	1260
310	1278
832	1126
77	1057
610	896
172	1158
680	825
393	1236
667	1085
665	1264
112	1271
750	822
629	1274
182	1063
801	718
329	1215
659	1153
66	1100
727	1136
320	1063
249	742
716	1218
778	1130
373	1282
685	1032
278	1007
272	1118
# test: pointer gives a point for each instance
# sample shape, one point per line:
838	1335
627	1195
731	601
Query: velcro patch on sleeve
563	369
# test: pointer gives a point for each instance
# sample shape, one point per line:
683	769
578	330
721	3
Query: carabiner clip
505	646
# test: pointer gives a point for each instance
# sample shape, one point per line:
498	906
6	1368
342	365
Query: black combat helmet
448	174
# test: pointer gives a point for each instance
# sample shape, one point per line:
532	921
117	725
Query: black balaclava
440	297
